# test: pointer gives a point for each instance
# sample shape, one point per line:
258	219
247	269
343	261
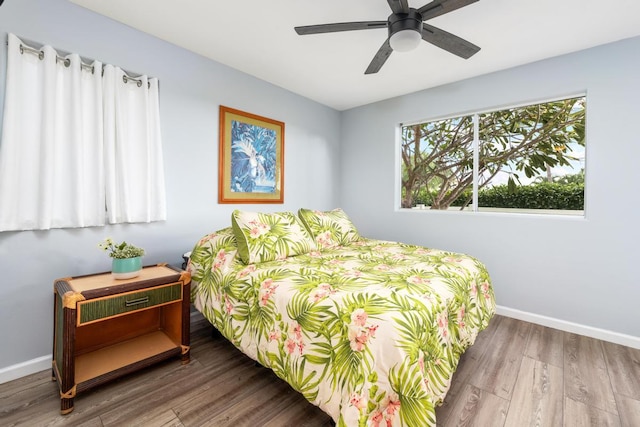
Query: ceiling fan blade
343	26
448	41
399	6
440	7
381	57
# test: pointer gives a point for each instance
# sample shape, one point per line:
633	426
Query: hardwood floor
516	374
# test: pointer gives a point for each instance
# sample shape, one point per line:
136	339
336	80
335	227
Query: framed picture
251	168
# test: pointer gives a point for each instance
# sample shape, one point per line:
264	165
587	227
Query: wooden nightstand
105	328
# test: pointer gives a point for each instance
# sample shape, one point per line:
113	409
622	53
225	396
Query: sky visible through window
538	146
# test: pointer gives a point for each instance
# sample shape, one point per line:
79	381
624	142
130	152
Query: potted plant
127	258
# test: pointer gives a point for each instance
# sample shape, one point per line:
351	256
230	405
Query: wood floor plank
176	385
25	399
546	345
216	345
238	405
476	407
466	367
172	394
92	422
498	368
586	378
578	414
277	405
299	415
25	385
629	411
31	404
223	387
537	396
623	364
224	398
116	395
132	395
160	418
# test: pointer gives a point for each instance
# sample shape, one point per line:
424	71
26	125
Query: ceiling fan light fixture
405	40
405	30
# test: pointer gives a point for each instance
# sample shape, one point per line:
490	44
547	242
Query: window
526	159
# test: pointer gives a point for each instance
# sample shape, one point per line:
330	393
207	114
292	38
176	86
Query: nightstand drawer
100	308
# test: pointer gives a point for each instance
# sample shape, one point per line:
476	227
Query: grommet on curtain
65	61
126	80
32	50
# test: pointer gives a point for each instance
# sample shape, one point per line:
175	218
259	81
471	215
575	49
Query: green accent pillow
329	229
265	237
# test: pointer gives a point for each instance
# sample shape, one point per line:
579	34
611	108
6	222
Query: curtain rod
65	61
40	54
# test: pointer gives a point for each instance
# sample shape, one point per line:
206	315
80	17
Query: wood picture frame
251	158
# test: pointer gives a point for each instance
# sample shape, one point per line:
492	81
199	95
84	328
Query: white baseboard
23	369
576	328
41	363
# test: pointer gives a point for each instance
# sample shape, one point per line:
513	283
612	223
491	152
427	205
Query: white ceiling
257	37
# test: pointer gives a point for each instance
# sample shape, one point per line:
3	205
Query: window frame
473	208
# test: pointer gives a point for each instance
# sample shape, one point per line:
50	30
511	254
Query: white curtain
134	164
75	143
51	159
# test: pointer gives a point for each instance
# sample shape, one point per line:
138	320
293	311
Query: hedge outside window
529	158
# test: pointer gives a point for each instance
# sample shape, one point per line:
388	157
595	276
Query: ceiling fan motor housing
405	21
406	30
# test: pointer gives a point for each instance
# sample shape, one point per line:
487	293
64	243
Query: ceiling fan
406	28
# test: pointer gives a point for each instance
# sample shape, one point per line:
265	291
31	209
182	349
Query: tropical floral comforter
370	332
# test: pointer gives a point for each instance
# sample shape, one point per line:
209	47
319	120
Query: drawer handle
138	301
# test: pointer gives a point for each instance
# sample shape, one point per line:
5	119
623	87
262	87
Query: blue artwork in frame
251	158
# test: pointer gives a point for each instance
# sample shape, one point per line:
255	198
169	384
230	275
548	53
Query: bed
370	331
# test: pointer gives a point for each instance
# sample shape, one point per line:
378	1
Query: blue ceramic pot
126	268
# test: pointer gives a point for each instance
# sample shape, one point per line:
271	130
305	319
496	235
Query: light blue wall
191	90
576	270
